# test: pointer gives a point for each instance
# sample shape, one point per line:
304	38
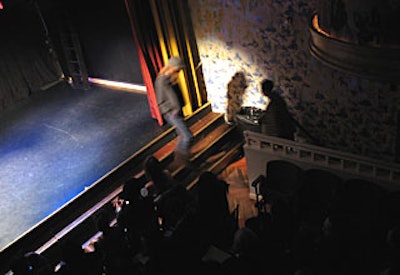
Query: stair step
199	129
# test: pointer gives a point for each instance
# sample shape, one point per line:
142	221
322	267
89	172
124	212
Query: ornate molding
376	63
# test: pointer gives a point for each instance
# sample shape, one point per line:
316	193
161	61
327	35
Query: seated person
170	198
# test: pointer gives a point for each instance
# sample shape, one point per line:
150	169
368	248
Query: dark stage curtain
148	48
26	62
162	28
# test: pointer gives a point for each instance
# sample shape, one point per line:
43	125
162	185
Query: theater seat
283	179
314	200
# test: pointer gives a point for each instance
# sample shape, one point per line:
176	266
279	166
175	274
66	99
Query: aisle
236	176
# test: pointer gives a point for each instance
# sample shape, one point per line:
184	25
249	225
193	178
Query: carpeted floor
239	194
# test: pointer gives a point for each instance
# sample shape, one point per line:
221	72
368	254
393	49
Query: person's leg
184	134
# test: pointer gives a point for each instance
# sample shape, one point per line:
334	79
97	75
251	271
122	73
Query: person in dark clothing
276	121
170	198
170	106
216	224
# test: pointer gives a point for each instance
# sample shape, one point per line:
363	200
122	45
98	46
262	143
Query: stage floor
61	141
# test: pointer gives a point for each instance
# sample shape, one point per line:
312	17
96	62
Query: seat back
283	178
315	198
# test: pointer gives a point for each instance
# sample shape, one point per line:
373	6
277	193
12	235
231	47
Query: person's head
212	191
131	189
157	174
176	62
173	67
267	86
152	167
239	78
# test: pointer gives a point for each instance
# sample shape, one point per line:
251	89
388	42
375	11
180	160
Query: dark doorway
104	34
107	41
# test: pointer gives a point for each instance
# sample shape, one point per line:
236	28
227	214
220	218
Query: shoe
183	159
182	155
231	122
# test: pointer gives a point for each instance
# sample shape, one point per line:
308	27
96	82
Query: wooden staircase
215	145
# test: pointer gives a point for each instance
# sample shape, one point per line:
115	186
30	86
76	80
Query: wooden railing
260	148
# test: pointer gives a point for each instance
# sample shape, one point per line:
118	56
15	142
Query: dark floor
61	141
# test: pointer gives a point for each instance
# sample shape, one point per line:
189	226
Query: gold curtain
176	37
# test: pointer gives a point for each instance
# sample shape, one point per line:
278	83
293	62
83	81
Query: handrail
315	140
260	148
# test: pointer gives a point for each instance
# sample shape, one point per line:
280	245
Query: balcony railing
259	149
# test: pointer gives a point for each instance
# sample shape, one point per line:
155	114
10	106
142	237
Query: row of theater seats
349	225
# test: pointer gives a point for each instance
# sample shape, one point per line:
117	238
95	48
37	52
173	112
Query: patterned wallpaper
269	39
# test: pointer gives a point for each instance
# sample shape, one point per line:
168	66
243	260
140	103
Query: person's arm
162	86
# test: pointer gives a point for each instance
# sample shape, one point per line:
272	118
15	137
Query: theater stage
61	141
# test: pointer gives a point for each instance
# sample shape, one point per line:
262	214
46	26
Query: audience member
76	261
159	178
248	249
137	217
216	224
113	247
32	263
174	208
169	196
391	264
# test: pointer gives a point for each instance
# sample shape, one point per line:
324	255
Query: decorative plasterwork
377	63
